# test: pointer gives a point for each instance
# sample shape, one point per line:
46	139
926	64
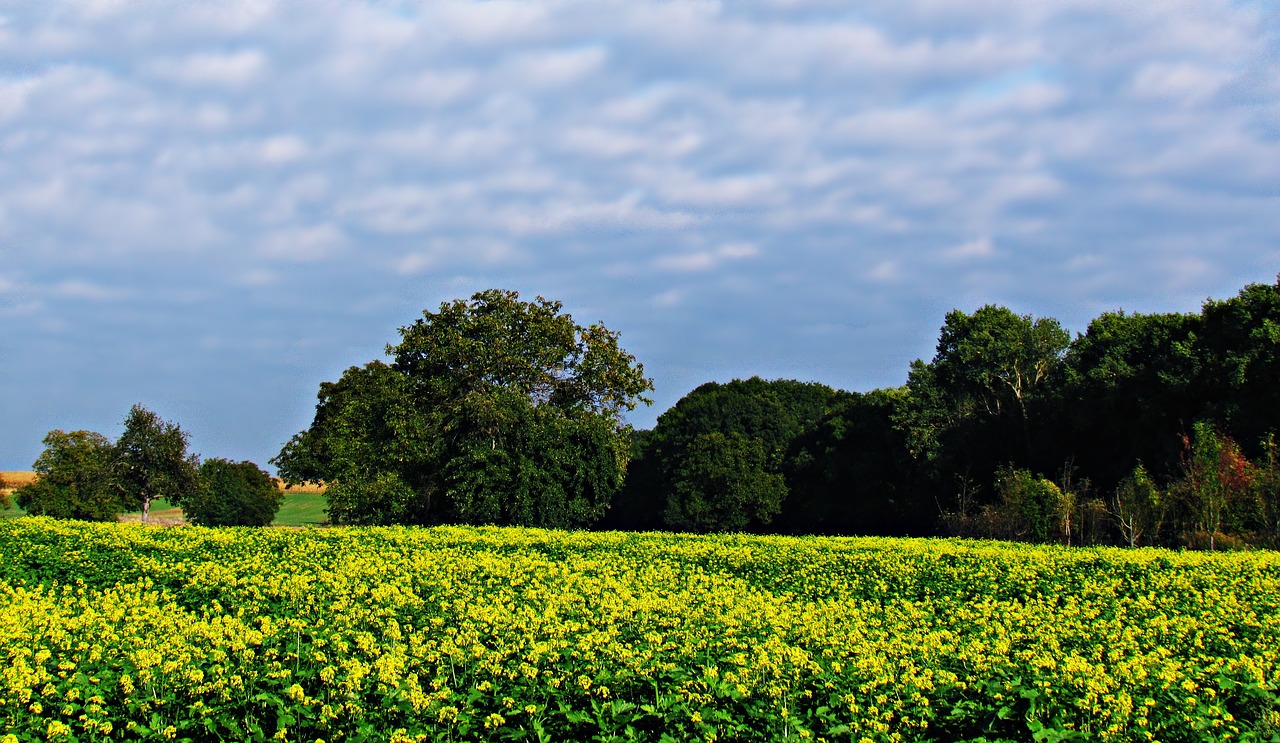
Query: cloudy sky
210	208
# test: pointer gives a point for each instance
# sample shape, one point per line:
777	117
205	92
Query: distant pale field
302	506
15	479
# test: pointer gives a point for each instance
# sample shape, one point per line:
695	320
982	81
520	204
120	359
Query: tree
231	494
852	473
723	483
771	413
364	424
1034	508
74	479
151	461
994	360
1138	507
6	501
983	400
1131	383
1238	353
494	410
1266	485
1215	483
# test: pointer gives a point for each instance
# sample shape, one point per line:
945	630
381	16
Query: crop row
113	630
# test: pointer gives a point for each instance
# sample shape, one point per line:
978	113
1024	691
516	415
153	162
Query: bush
232	494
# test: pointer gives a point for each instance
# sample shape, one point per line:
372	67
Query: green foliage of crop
118	631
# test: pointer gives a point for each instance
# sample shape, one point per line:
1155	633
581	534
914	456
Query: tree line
1145	429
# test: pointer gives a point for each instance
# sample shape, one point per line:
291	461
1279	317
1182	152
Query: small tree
5	501
152	461
1034	508
1215	480
1138	507
231	494
1266	489
74	479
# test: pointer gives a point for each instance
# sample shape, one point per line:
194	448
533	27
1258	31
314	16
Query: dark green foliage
74	479
1139	508
371	500
1028	508
494	411
1128	393
232	494
723	483
151	461
853	473
1238	360
364	422
1266	492
985	400
769	413
1034	508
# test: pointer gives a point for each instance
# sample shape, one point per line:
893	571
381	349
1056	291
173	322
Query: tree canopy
494	410
683	477
74	479
151	461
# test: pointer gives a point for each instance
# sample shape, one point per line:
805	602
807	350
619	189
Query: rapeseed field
125	632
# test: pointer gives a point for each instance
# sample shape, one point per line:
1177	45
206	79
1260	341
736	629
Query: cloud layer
211	208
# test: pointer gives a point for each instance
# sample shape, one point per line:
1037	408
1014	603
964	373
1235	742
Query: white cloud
628	155
303	244
553	67
462	254
1181	82
229	69
667	299
884	271
86	290
258	277
705	260
282	149
981	247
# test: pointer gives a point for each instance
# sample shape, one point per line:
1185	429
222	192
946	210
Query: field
117	630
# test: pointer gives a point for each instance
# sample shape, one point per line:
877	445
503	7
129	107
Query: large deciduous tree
151	461
1238	357
74	479
990	365
985	399
494	410
1130	381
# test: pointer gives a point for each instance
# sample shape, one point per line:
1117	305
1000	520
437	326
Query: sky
212	207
